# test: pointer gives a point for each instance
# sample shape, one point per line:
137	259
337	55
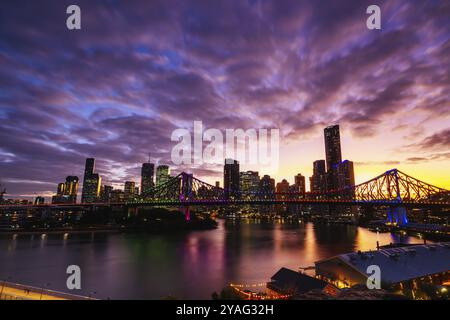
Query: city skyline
299	66
329	174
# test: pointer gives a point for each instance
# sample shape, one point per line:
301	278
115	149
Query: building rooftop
287	280
401	263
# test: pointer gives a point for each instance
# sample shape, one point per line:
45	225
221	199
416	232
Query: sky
137	70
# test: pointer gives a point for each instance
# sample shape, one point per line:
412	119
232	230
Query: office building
267	187
39	200
147	182
231	178
91	183
162	175
105	193
282	189
249	184
300	183
71	188
346	174
333	155
129	190
67	191
318	181
332	146
91	188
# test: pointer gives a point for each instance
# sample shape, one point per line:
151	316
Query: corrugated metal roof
404	263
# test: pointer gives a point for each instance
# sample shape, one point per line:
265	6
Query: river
185	266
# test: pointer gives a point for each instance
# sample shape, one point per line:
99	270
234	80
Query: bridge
393	188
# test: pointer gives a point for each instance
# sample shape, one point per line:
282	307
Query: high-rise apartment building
231	178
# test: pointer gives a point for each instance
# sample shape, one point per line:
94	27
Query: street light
42	289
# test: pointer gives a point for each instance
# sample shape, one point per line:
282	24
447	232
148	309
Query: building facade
162	175
91	183
129	190
231	182
300	183
67	191
318	181
147	182
249	184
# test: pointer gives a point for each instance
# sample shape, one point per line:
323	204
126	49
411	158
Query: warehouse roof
402	263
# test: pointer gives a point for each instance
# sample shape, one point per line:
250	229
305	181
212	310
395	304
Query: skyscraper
71	188
39	200
282	187
61	189
300	183
91	188
231	178
162	174
249	183
267	187
106	193
129	190
318	181
89	167
147	184
345	174
91	183
67	192
282	194
333	155
332	146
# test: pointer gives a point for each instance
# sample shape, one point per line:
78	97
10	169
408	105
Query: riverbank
157	220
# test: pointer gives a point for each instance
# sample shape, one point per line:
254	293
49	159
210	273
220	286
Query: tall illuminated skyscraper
318	181
332	146
147	173
231	178
129	190
162	174
300	183
67	192
91	183
346	174
71	188
333	155
249	183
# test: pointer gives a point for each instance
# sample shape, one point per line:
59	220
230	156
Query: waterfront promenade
14	291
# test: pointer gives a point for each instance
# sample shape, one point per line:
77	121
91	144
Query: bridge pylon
397	215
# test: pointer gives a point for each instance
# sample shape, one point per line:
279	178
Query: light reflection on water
187	265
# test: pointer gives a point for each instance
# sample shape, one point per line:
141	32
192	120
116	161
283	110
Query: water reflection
184	265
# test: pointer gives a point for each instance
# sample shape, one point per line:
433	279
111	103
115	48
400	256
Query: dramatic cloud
437	141
137	70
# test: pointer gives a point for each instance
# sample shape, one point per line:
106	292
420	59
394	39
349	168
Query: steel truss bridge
392	188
